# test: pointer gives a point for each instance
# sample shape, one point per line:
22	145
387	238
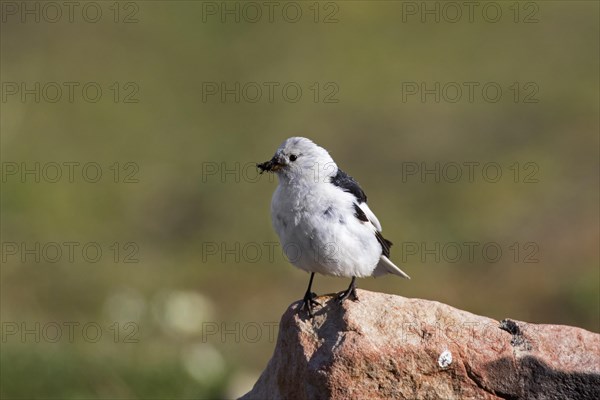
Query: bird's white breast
319	232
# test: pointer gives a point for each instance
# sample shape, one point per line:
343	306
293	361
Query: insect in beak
274	164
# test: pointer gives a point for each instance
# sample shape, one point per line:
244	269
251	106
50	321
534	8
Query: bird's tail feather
386	266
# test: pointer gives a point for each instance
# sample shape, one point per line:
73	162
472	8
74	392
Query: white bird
321	216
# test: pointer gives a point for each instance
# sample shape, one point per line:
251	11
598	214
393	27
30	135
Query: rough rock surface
385	347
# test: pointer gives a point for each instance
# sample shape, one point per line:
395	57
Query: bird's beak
274	164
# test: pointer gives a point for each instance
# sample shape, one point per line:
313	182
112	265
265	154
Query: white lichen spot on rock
445	359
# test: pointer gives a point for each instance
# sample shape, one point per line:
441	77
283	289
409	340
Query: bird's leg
309	296
350	291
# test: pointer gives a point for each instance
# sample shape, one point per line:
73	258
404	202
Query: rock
385	347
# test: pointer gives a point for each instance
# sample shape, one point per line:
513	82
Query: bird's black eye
293	157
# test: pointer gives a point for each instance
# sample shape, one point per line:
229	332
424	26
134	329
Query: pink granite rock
384	347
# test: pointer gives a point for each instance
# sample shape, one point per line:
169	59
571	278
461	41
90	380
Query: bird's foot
346	294
308	302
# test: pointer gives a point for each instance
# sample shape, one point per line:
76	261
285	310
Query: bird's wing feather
360	211
385	244
370	215
386	266
364	213
348	184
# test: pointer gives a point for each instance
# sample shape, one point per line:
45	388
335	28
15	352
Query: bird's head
300	158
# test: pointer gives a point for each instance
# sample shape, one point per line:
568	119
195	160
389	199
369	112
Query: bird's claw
346	295
308	302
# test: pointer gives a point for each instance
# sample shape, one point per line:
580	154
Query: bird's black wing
385	244
348	184
360	214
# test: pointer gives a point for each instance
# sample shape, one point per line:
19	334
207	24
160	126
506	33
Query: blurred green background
194	316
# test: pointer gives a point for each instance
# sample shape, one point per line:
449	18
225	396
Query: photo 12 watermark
270	12
69	252
69	332
469	252
488	92
69	172
238	332
255	252
270	92
453	12
54	12
469	172
89	92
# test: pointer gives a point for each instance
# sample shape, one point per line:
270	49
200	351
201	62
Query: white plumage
322	218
